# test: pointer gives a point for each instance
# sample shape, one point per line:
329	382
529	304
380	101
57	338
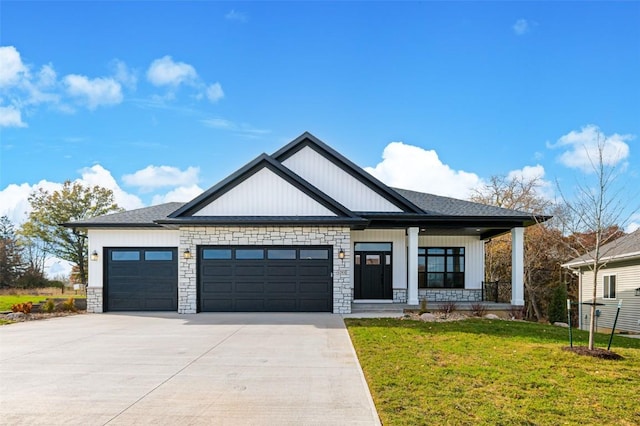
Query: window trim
445	256
604	287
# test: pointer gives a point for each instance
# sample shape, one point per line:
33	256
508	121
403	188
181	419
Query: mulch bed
41	315
595	352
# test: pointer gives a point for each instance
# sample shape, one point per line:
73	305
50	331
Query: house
302	229
618	281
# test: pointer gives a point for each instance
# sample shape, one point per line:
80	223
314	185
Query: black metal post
615	321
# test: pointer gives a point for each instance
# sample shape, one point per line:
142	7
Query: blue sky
160	100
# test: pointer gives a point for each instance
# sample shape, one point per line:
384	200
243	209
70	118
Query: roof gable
340	178
262	188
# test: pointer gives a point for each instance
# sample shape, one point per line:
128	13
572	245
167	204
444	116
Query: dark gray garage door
265	279
141	279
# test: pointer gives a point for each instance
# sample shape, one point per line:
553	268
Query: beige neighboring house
618	281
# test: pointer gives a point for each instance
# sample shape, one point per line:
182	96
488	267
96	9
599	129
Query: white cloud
521	27
94	92
544	189
46	76
98	175
12	69
123	74
581	148
180	194
234	15
166	72
10	116
242	129
152	177
214	92
411	167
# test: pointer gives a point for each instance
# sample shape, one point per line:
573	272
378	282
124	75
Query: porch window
441	267
609	287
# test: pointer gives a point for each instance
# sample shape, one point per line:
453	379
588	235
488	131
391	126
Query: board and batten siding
338	184
264	194
473	255
627	280
101	238
398	251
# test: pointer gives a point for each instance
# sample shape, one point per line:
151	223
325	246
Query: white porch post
412	265
517	266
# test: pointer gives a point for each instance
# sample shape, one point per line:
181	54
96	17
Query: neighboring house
618	280
303	229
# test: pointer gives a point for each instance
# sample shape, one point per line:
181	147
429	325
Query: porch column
517	266
412	265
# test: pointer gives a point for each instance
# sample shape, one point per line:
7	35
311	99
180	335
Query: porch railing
496	291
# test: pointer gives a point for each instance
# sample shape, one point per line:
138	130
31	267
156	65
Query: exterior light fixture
638	291
94	255
341	254
186	253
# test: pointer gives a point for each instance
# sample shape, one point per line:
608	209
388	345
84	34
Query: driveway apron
165	369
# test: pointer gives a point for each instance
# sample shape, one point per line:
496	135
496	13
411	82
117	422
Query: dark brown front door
372	271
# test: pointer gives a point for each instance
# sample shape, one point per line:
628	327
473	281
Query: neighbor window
609	286
441	267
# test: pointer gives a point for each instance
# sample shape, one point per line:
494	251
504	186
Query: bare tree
597	210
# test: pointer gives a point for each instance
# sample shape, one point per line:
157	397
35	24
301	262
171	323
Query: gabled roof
626	247
145	216
185	214
308	140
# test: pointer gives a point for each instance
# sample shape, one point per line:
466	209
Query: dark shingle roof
137	217
623	248
439	205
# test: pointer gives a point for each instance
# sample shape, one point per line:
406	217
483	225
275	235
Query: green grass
6	301
493	372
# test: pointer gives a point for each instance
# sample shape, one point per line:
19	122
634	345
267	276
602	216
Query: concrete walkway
167	369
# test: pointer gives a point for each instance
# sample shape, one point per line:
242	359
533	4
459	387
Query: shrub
48	306
22	307
517	312
69	305
557	311
423	305
448	308
478	309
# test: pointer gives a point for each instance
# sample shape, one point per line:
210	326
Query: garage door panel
135	281
282	271
250	287
281	281
217	270
249	270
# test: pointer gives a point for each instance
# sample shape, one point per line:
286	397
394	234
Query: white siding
627	280
398	254
337	183
264	194
100	238
473	256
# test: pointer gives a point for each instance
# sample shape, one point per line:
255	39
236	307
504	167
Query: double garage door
230	279
265	279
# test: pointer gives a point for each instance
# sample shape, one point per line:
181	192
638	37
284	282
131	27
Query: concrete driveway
166	369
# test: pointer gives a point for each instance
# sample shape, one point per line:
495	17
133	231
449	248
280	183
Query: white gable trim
337	183
264	194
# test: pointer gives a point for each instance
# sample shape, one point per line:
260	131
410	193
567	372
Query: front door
372	271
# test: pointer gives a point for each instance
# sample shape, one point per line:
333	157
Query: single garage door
141	279
265	279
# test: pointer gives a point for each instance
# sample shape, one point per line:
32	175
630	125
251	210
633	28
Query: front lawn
493	372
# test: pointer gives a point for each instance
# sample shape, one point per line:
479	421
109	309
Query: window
118	256
249	254
372	247
609	287
281	254
158	255
216	254
314	254
441	267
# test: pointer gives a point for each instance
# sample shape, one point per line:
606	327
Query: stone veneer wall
336	236
399	295
94	300
450	295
